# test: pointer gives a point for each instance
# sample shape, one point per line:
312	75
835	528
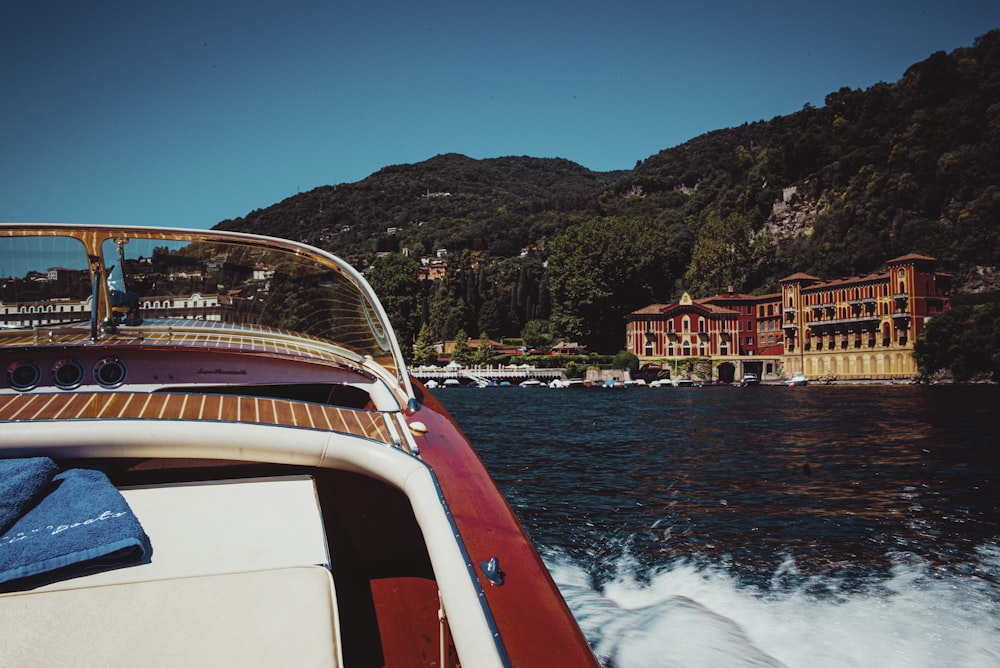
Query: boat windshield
43	281
149	277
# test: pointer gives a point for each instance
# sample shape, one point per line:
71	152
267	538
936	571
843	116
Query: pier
483	375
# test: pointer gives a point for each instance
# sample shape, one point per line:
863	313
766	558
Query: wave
697	615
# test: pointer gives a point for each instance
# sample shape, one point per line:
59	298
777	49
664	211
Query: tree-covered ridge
911	166
449	201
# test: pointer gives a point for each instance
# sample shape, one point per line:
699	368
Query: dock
485	375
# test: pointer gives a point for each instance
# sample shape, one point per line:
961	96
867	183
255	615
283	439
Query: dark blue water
720	526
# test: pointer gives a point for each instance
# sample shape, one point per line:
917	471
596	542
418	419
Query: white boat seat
239	576
277	617
227	526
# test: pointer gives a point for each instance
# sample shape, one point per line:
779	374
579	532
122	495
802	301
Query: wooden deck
211	407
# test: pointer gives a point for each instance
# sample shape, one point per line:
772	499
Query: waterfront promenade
478	374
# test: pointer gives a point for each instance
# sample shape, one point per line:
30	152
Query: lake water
766	526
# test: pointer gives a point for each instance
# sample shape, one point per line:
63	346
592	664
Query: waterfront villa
857	328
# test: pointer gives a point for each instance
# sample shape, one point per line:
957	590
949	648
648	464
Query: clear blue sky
188	112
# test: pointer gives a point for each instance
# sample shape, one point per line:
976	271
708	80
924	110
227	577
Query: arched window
687	349
686	324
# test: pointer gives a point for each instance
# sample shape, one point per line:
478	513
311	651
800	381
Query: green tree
723	254
625	360
424	352
964	341
462	353
394	279
489	317
484	354
601	270
537	334
445	312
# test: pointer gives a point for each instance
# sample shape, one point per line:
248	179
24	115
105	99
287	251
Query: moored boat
224	461
797	380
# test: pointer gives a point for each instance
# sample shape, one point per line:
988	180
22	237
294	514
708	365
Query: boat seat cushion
277	617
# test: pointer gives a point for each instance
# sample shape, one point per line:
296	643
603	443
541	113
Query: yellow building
862	327
859	328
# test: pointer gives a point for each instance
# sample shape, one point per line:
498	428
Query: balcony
866	305
901	320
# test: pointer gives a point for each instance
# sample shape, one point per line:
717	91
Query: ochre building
858	328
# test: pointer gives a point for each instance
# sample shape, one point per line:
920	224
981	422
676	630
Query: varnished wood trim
170	406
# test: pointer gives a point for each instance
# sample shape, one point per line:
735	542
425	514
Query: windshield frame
365	311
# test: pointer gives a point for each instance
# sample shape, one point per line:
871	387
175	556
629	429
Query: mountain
910	166
449	201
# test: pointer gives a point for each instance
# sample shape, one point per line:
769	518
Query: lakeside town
855	329
858	329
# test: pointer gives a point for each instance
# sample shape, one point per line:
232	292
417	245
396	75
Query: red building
861	327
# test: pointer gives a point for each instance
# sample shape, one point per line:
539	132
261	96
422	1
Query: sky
185	113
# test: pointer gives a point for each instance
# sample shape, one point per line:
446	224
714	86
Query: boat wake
685	614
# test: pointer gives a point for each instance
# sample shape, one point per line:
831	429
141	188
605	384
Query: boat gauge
110	372
23	376
67	374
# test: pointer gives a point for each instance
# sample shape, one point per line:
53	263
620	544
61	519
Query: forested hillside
910	166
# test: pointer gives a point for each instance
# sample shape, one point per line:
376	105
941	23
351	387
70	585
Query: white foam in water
691	616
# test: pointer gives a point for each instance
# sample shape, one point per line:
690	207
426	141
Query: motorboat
212	453
750	380
797	379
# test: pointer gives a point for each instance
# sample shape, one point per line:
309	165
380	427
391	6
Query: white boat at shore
797	380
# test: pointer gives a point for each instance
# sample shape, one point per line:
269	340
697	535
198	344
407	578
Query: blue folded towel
22	483
82	525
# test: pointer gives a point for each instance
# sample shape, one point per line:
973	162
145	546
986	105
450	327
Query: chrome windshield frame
93	238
